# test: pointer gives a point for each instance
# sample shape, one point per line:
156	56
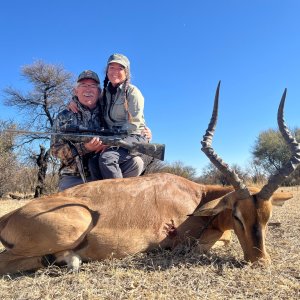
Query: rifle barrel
154	150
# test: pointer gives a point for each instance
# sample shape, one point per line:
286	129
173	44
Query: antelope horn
276	179
230	175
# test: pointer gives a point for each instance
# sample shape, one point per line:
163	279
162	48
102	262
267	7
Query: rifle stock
154	150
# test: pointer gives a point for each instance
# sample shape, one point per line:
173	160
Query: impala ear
279	198
214	207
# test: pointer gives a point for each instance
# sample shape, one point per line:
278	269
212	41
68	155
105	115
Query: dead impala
120	217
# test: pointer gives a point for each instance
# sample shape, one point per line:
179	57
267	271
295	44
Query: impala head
251	208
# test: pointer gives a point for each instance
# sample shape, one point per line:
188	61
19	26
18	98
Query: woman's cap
88	74
119	59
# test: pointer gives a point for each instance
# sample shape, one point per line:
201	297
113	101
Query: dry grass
164	275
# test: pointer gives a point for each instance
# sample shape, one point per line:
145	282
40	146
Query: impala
120	217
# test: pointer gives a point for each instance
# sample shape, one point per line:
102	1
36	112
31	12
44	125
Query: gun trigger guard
116	148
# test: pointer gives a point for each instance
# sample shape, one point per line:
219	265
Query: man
75	156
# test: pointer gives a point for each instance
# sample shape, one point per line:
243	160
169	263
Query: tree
42	162
211	175
257	172
271	152
178	168
8	161
51	88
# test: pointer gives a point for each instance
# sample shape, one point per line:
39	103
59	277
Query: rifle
110	138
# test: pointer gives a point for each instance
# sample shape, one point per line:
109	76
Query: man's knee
139	164
134	167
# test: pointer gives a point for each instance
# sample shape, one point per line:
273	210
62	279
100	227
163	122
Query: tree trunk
42	162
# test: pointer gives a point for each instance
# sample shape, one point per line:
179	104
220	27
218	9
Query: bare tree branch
51	88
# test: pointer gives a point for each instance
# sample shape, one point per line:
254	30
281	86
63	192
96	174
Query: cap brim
118	62
89	78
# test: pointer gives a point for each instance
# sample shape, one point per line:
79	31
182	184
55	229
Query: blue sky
179	50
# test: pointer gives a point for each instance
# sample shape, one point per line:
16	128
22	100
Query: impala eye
238	221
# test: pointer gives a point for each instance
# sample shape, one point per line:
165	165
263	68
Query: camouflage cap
119	59
88	74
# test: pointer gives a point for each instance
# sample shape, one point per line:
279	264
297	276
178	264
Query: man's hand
95	145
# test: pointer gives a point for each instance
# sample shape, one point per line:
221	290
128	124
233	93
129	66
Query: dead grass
163	275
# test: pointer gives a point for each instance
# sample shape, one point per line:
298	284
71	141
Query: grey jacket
115	113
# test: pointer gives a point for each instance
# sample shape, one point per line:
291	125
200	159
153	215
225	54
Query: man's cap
88	74
119	59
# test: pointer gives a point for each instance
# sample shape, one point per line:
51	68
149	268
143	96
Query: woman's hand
147	133
72	106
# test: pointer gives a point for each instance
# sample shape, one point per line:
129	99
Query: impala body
120	217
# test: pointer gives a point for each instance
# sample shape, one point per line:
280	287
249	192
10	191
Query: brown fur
119	217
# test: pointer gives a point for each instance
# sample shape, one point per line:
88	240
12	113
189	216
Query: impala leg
72	259
41	228
213	238
11	263
224	240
